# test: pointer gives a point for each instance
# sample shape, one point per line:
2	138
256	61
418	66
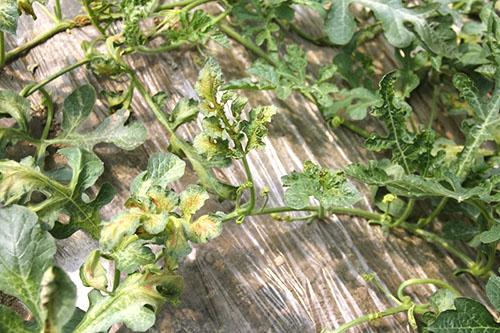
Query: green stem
30	89
2	49
371	317
48	124
356	129
434	214
411	282
248	172
175	4
246	43
57	10
435	239
408	210
160	49
16	53
92	16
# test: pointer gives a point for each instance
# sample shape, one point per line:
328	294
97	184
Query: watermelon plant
442	189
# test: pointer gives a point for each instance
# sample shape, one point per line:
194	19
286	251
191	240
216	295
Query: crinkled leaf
184	111
486	120
92	273
8	16
192	199
443	300
26	251
490	236
124	224
256	127
470	316
328	187
131	253
176	244
133	303
77	108
205	228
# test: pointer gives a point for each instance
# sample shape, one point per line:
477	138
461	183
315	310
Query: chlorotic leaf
133	303
10	322
92	273
57	299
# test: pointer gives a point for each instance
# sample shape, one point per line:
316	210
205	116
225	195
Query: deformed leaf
8	16
92	273
131	253
192	199
328	187
256	127
205	228
133	303
57	299
77	107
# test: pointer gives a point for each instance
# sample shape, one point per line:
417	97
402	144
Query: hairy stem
16	53
371	317
2	49
30	89
411	282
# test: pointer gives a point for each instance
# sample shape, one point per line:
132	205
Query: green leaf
92	273
328	187
110	130
470	316
77	108
57	299
493	291
486	120
10	322
490	236
354	102
133	303
8	16
163	169
340	24
19	180
26	251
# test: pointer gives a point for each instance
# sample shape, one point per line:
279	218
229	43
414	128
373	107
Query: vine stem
175	4
2	49
248	172
375	316
411	282
17	52
30	89
435	239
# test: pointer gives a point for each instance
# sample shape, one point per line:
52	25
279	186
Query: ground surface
262	276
